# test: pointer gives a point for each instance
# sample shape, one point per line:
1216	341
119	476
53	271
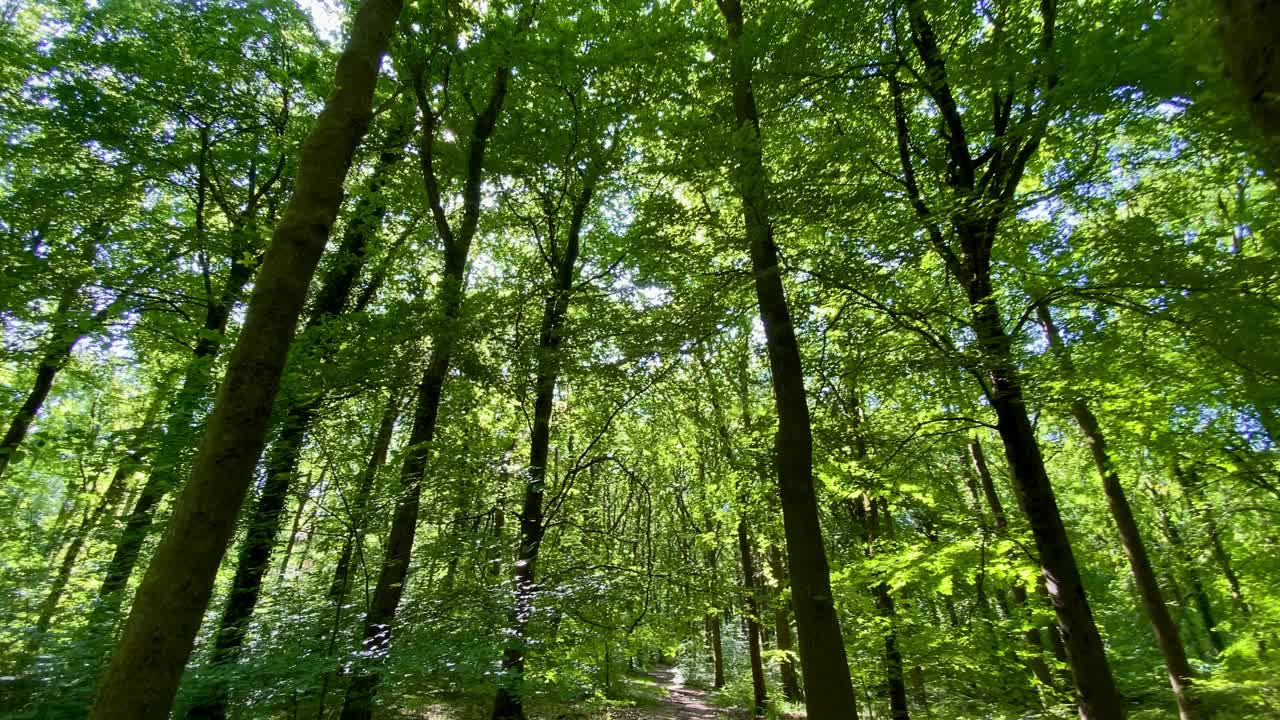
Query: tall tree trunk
380	619
62	341
751	609
283	459
1253	62
872	515
717	650
143	675
1031	635
66	333
508	703
1198	594
363	496
1096	692
782	626
291	538
110	497
1208	515
895	679
828	689
1181	676
978	202
917	688
178	435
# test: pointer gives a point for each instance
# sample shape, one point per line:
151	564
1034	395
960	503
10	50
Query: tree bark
828	689
782	627
751	608
1095	687
115	489
1199	596
178	435
66	333
1181	676
64	337
363	495
981	200
867	514
143	675
508	703
1252	56
895	679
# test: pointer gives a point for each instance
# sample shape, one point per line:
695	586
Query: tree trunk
62	342
143	675
291	539
379	621
66	333
284	458
782	627
828	690
751	608
895	679
1198	594
1209	518
363	495
1096	692
1031	635
717	650
109	498
1252	56
508	703
917	686
1181	676
177	436
979	201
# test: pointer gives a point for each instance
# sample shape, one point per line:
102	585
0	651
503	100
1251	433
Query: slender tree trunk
1209	518
895	679
110	497
364	494
1097	696
1181	676
179	432
1253	61
379	621
1031	635
751	610
782	627
828	690
292	538
979	202
508	703
917	687
1198	594
284	458
143	675
67	332
64	336
717	650
867	513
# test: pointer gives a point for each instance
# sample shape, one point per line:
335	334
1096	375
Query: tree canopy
551	358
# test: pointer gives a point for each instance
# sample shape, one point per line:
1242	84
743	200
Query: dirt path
683	703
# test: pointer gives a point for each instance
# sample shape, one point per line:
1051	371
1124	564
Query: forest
639	359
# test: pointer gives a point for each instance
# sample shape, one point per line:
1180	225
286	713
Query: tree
145	668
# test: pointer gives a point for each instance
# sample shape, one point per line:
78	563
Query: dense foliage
549	418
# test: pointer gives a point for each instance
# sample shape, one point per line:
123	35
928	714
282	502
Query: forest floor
659	694
677	702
